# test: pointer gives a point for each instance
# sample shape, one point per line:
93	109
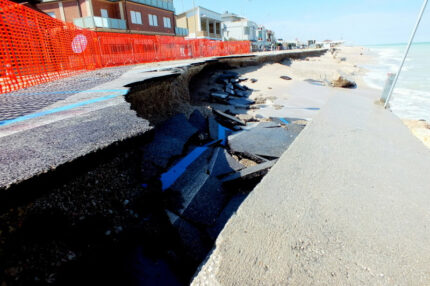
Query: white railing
100	22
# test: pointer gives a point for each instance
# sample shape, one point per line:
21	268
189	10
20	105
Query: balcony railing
181	31
163	4
99	22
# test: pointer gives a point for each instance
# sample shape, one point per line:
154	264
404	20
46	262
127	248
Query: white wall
240	30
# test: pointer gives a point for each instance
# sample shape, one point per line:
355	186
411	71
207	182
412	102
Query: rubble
205	180
286	77
256	140
234	120
343	82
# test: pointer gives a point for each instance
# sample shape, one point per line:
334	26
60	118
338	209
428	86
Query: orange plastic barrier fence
36	48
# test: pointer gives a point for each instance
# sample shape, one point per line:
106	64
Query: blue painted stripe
223	132
58	109
170	177
307	108
284	121
122	91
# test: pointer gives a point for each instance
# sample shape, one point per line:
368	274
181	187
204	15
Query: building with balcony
201	23
236	28
136	16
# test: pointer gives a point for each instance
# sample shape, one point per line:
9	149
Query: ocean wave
411	98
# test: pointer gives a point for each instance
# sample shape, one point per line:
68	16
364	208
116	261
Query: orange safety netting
36	48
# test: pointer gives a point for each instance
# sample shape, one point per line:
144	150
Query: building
137	16
201	23
236	28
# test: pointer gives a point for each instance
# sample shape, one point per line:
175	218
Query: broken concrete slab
288	120
169	178
213	128
240	87
198	121
225	116
231	208
264	140
250	172
223	163
230	91
242	93
219	97
191	237
169	141
207	203
226	76
240	101
199	196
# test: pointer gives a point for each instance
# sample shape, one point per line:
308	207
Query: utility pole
390	93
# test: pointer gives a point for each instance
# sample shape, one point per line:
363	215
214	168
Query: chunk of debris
254	80
240	87
219	97
266	139
233	119
258	170
230	91
242	93
286	77
343	82
240	101
226	76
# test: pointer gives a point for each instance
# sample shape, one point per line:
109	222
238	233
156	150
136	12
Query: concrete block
266	139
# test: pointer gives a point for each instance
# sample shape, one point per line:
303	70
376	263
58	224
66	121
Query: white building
201	23
238	28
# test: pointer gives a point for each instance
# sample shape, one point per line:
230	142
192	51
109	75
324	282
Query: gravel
28	100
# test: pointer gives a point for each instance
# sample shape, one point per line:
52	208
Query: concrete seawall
347	204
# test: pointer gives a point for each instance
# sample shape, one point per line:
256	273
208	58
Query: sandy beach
313	76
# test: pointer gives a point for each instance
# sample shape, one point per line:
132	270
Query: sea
411	97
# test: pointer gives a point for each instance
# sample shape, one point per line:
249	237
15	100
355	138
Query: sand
277	93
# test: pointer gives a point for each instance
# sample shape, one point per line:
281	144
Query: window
136	17
167	23
153	20
52	14
246	30
104	13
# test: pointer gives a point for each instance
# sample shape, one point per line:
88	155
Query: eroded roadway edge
84	123
347	204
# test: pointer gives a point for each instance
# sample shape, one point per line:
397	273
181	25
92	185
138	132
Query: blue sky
358	22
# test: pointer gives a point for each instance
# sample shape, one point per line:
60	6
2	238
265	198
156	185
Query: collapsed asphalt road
206	166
